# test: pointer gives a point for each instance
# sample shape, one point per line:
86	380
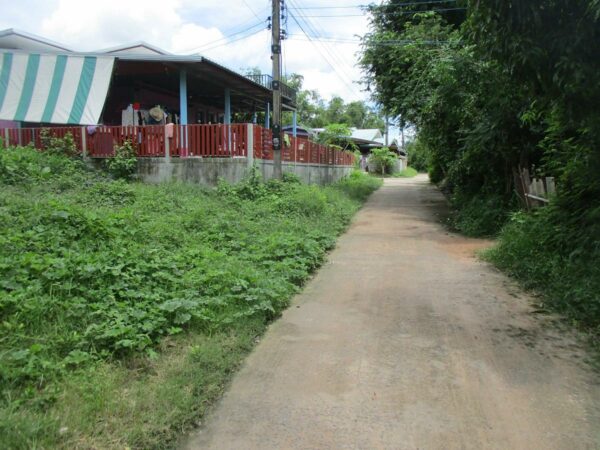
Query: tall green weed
94	269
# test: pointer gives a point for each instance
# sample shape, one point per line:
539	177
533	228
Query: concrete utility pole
387	131
276	57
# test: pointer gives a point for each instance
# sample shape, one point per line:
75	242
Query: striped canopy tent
57	89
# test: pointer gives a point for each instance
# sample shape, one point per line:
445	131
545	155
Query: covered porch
190	90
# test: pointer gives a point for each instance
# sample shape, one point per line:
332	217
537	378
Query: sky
231	32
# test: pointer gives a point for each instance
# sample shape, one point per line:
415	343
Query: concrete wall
207	171
308	173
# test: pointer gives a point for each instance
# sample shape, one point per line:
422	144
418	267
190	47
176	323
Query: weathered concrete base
308	173
208	171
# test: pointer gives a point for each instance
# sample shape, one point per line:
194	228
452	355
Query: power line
319	50
251	10
224	38
337	60
232	41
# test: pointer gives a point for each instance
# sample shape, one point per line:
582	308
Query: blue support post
183	119
268	117
294	123
227	117
183	97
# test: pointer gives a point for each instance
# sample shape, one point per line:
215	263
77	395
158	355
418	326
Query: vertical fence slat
203	140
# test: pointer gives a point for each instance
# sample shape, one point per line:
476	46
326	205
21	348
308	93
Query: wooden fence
534	191
207	141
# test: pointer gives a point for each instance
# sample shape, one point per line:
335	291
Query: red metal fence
299	150
208	141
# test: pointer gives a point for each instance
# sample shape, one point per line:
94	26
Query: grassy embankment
556	258
125	308
409	172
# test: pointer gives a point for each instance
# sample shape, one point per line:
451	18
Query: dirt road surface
404	340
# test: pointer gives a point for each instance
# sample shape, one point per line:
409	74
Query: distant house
366	135
364	138
300	131
46	83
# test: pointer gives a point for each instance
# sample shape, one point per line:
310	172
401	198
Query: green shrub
99	270
542	252
418	156
124	163
382	160
26	166
409	172
60	146
479	216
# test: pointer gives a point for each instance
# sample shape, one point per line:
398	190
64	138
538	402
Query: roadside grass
409	172
556	259
126	308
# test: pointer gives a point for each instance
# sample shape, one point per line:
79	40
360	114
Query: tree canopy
316	112
510	85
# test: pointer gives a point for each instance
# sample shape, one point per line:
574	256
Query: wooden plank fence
535	191
207	141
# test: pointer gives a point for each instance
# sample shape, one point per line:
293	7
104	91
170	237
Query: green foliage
478	216
124	163
315	112
337	135
382	160
466	109
60	146
418	156
26	168
543	251
516	85
409	172
101	272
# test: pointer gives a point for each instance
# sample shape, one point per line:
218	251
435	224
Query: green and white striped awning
60	89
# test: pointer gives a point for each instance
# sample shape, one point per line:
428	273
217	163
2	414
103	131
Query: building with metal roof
44	82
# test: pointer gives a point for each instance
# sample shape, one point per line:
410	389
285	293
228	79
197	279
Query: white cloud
92	25
189	37
186	26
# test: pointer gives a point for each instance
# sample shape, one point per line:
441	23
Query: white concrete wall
207	171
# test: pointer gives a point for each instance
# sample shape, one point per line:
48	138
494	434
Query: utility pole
387	131
276	86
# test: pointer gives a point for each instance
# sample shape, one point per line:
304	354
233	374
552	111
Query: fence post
83	143
167	144
6	138
250	145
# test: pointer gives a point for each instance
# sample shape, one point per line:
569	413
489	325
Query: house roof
135	48
12	38
367	134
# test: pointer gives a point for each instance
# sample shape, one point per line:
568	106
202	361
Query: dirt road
404	340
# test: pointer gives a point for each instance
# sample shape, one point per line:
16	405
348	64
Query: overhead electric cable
336	58
319	50
232	41
224	38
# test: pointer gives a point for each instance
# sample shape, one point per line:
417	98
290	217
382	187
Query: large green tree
515	85
465	108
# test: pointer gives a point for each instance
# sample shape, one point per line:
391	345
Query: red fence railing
208	141
299	150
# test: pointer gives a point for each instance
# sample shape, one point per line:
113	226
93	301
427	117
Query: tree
383	160
337	135
315	112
